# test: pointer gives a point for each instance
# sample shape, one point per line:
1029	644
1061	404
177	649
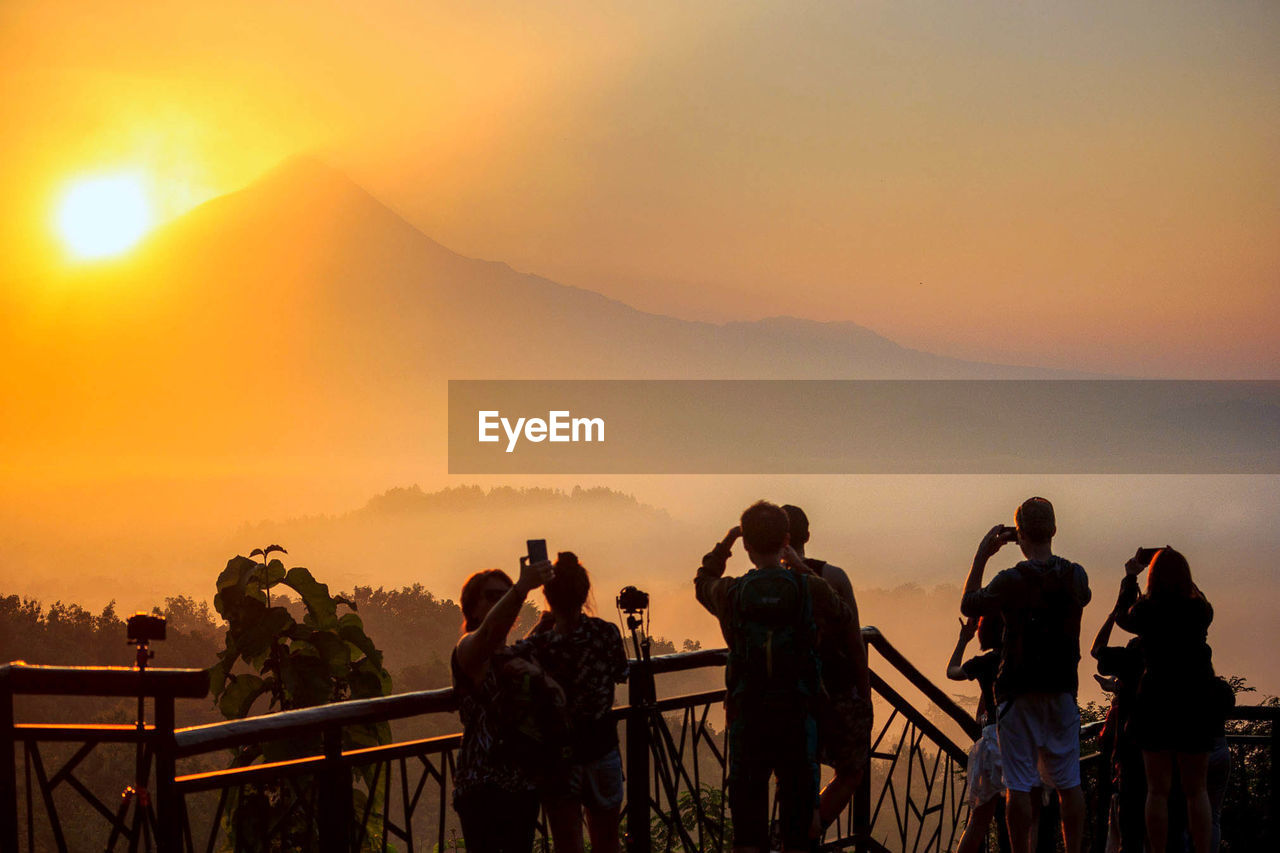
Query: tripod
642	686
143	826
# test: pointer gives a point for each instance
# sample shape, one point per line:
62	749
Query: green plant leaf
351	629
240	695
255	639
306	681
315	596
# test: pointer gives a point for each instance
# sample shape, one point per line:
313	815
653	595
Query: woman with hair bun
586	658
1176	702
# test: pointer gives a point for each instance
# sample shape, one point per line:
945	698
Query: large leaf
272	573
333	650
239	696
255	639
351	629
306	681
238	568
368	680
232	589
322	609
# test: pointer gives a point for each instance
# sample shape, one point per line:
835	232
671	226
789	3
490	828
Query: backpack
773	656
1046	650
530	721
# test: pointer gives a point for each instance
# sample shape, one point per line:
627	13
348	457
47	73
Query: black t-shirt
1174	633
1041	603
982	669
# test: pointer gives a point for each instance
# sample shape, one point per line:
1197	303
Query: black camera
632	600
142	628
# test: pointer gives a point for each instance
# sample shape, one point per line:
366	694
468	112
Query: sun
104	216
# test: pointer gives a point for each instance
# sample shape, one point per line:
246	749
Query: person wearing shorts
596	784
585	655
1040	740
1041	601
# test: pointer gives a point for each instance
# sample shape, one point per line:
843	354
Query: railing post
167	800
8	777
862	809
640	697
862	796
335	797
1274	761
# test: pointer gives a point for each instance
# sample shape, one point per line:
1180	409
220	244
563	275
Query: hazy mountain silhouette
347	262
301	316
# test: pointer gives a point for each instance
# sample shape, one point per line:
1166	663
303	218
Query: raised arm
475	648
710	585
971	603
1103	639
968	627
1129	596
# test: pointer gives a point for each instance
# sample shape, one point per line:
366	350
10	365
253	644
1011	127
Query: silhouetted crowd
538	732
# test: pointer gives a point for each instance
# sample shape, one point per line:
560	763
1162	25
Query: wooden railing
674	751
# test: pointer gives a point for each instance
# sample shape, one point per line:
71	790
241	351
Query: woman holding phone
494	798
1176	706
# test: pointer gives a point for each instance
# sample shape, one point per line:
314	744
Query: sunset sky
1092	186
1087	185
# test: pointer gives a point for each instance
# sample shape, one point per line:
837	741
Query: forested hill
415	629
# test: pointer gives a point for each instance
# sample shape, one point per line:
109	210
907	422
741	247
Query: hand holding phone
1140	560
535	569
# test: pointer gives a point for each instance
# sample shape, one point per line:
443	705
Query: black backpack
530	720
773	656
1042	651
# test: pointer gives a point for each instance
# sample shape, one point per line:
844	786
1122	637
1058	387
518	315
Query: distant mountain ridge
374	262
301	318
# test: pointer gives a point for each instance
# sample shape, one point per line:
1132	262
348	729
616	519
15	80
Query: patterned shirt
480	762
587	661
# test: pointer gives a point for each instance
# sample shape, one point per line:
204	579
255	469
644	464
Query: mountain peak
304	171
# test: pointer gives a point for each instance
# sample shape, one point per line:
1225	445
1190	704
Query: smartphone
1008	534
1144	555
537	550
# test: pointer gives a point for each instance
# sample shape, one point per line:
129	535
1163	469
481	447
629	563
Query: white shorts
1040	741
983	775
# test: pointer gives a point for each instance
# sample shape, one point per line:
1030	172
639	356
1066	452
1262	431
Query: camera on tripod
633	600
144	628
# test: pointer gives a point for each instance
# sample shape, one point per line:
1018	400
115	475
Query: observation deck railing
396	796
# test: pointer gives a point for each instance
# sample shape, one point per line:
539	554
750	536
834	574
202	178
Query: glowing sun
100	217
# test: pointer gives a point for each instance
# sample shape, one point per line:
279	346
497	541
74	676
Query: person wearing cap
1041	600
844	720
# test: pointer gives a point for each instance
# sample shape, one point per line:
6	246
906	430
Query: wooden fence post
8	777
640	697
168	802
335	797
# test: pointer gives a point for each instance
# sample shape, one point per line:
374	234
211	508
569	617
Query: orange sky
1086	185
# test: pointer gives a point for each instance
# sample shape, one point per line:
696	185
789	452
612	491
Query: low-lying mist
906	542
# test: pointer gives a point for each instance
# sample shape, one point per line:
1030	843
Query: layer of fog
906	542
